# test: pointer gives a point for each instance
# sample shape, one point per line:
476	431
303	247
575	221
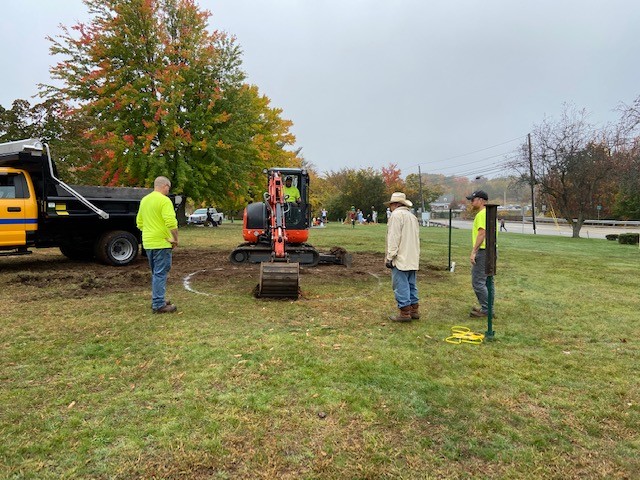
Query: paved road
588	231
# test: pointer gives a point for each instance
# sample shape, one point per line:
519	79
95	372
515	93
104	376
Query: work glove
388	264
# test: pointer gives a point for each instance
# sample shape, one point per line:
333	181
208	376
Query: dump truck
38	210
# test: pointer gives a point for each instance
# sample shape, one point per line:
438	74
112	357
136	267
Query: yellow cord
464	335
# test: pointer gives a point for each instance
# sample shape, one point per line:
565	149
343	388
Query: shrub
628	238
611	236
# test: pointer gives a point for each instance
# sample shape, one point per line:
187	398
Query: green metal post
450	214
490	269
489	334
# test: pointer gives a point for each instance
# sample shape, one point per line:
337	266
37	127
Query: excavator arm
278	277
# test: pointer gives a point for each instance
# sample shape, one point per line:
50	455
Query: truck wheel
117	248
74	252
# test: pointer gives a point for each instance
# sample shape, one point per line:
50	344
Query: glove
388	264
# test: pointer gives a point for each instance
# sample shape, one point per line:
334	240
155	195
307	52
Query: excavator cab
297	218
298	212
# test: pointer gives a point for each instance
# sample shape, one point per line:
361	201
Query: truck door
18	212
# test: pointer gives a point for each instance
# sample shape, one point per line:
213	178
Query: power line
486	148
470	153
482	172
475	161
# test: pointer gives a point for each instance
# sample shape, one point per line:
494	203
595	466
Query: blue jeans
479	280
160	263
404	287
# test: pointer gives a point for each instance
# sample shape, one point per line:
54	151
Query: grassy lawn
94	386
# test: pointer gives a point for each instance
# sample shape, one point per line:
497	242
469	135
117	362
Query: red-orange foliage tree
163	96
392	180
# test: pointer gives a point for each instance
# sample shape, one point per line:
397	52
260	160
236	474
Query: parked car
199	217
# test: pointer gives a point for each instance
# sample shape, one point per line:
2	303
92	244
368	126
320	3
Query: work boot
477	312
168	308
404	315
415	314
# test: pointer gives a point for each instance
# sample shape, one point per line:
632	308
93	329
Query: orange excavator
275	233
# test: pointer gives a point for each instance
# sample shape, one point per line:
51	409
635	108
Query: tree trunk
576	227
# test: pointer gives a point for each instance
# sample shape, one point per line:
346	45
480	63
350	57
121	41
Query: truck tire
117	248
74	252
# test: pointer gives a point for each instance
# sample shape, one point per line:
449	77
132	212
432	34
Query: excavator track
304	254
279	280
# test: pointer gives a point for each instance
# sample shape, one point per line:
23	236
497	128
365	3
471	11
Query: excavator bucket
279	280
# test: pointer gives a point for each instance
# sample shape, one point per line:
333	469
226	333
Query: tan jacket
403	240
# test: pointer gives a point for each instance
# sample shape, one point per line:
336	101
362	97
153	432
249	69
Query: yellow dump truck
41	211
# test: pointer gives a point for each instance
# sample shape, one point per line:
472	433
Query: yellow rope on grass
464	335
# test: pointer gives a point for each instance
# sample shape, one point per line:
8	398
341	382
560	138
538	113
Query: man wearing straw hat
403	256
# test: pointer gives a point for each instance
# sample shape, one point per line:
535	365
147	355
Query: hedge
628	238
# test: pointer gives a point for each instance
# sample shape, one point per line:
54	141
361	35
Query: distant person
323	216
502	225
157	220
352	216
374	215
210	220
478	255
403	257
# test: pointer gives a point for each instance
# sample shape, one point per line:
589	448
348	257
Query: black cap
478	194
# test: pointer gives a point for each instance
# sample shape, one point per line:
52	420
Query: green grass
325	387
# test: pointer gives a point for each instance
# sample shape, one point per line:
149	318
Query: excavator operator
292	196
291	191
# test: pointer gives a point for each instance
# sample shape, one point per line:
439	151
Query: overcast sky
450	85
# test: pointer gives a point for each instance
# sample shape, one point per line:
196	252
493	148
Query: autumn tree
364	188
627	197
626	203
321	189
50	122
571	162
421	191
392	180
163	96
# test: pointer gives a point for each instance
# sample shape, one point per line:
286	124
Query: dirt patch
50	270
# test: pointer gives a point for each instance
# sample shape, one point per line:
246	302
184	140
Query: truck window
13	185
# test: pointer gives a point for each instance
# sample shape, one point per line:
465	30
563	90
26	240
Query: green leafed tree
23	120
161	95
419	192
363	189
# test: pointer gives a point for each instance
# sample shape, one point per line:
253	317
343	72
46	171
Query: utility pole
533	204
420	183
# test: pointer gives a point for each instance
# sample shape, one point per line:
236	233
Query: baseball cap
478	194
